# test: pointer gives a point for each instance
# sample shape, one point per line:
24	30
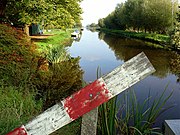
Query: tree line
60	13
142	15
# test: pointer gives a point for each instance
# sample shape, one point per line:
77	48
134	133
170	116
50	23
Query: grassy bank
33	77
63	75
18	66
55	39
162	41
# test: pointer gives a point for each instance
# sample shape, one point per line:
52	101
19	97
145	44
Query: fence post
89	122
90	97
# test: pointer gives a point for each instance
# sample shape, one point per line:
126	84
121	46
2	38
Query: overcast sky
96	9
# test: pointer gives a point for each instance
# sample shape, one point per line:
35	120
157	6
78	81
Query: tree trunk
3	4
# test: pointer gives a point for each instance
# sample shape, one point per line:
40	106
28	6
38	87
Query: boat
76	33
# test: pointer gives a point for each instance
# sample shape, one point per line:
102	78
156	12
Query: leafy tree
158	15
101	22
176	35
119	15
149	15
60	13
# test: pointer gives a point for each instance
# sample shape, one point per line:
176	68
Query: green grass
160	40
58	38
17	107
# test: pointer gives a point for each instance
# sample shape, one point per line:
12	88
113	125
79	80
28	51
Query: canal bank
158	40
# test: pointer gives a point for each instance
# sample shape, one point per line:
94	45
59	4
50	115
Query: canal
107	52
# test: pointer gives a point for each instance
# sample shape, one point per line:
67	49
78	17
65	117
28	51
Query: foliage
18	66
139	118
24	73
148	15
176	33
60	13
155	38
108	122
61	80
18	56
59	74
17	106
59	38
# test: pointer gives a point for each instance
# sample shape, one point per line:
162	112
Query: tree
176	35
60	13
101	23
158	15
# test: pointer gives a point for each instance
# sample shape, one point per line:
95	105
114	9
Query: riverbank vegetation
34	76
18	64
32	79
143	16
161	41
128	116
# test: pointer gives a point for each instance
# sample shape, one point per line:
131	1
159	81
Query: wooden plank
119	79
91	96
172	127
49	121
89	122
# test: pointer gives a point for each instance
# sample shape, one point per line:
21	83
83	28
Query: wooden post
90	97
89	122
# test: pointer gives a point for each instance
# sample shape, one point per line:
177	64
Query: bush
18	58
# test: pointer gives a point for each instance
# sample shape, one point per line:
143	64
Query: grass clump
128	116
16	107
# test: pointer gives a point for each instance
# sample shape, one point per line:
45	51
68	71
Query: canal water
107	52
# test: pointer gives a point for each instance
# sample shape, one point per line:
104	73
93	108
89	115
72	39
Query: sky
96	9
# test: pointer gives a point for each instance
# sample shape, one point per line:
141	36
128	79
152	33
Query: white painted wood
49	121
128	74
172	127
117	81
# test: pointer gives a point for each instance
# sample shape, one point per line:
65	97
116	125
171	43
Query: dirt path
36	37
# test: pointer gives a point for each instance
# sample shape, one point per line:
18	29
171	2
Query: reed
126	116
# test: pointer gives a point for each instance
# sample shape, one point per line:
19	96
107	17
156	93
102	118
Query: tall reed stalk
129	117
107	113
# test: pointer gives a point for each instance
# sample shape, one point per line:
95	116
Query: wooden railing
88	98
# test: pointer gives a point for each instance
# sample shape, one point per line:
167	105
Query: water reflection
164	62
107	51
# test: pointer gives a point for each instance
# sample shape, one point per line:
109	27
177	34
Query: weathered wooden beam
172	127
91	96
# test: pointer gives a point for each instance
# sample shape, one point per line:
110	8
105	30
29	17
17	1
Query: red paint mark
86	99
18	131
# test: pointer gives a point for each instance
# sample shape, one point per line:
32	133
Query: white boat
76	33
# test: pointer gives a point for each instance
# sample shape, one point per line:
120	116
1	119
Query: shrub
18	58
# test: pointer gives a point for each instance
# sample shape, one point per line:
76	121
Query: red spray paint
18	131
86	99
